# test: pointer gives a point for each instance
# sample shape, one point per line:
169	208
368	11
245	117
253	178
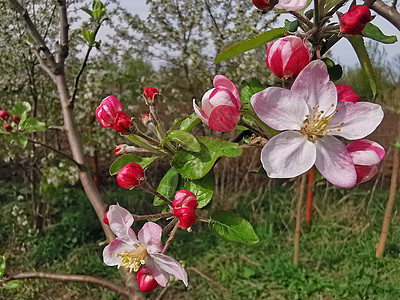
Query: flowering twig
171	237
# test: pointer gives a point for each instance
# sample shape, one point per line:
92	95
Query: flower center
315	125
132	260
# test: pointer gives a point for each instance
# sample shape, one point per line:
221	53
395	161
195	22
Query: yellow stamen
132	260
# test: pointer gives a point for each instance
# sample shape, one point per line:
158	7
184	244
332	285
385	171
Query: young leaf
20	140
21	110
32	125
373	32
123	160
88	11
195	165
249	88
13	284
358	44
251	43
190	122
183	138
291	26
396	144
232	227
203	188
167	186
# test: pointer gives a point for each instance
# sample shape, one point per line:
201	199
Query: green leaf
358	44
21	110
32	125
195	165
329	62
20	140
190	122
335	72
291	26
249	88
177	122
98	9
123	160
232	227
251	43
203	188
167	186
396	144
373	32
88	11
3	260
240	127
13	284
183	138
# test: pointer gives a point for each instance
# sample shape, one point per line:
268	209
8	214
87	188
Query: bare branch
64	26
386	11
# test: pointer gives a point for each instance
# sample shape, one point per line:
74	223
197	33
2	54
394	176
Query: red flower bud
119	148
130	176
122	122
107	111
262	4
346	93
16	119
4	115
287	56
354	21
151	95
185	204
105	219
8	127
146	281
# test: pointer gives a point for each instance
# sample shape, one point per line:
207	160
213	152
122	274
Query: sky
343	52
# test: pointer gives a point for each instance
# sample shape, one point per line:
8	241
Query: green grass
337	253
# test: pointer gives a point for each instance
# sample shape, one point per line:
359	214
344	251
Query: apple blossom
354	21
146	281
288	5
310	115
184	205
346	93
221	105
107	111
130	176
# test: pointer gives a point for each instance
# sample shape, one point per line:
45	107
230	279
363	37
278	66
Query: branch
171	237
62	14
121	290
386	11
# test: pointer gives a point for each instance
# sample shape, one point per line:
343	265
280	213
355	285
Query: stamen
338	129
341	123
132	260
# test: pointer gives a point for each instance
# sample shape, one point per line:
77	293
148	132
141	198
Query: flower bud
146	119
8	127
16	119
105	218
289	5
4	115
221	105
262	4
151	96
346	93
120	148
130	176
107	111
122	122
146	281
354	21
287	56
184	205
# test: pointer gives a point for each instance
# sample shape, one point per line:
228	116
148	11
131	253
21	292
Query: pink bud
107	111
354	21
346	93
16	119
262	4
130	176
185	204
122	122
105	219
151	95
287	56
221	105
119	148
8	127
146	281
4	115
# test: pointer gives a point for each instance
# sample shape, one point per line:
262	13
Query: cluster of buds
110	115
6	117
184	208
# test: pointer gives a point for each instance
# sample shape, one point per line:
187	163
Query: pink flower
4	115
287	56
122	122
107	111
146	281
185	204
221	105
354	21
346	93
130	176
366	156
310	115
289	5
132	252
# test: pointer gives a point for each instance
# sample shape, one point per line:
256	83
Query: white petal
334	162
150	235
360	119
291	5
171	266
159	275
280	108
288	155
120	220
110	251
366	152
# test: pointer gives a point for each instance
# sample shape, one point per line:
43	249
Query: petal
314	86
200	113
222	81
150	235
360	119
334	162
280	108
224	118
205	102
365	173
288	155
222	96
171	266
100	119
291	5
366	152
159	275
346	93
110	251
120	220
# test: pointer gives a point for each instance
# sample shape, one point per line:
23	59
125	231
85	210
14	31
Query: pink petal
288	155
116	246
366	152
334	162
360	119
222	96
314	86
291	5
99	118
159	275
222	81
280	108
205	102
120	220
346	93
365	173
150	235
224	118
200	113
170	266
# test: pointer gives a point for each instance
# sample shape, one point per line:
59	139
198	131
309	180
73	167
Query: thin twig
169	226
147	187
220	286
154	216
171	237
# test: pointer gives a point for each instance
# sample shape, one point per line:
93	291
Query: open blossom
366	156
289	5
309	115
107	111
354	21
132	252
184	205
221	105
